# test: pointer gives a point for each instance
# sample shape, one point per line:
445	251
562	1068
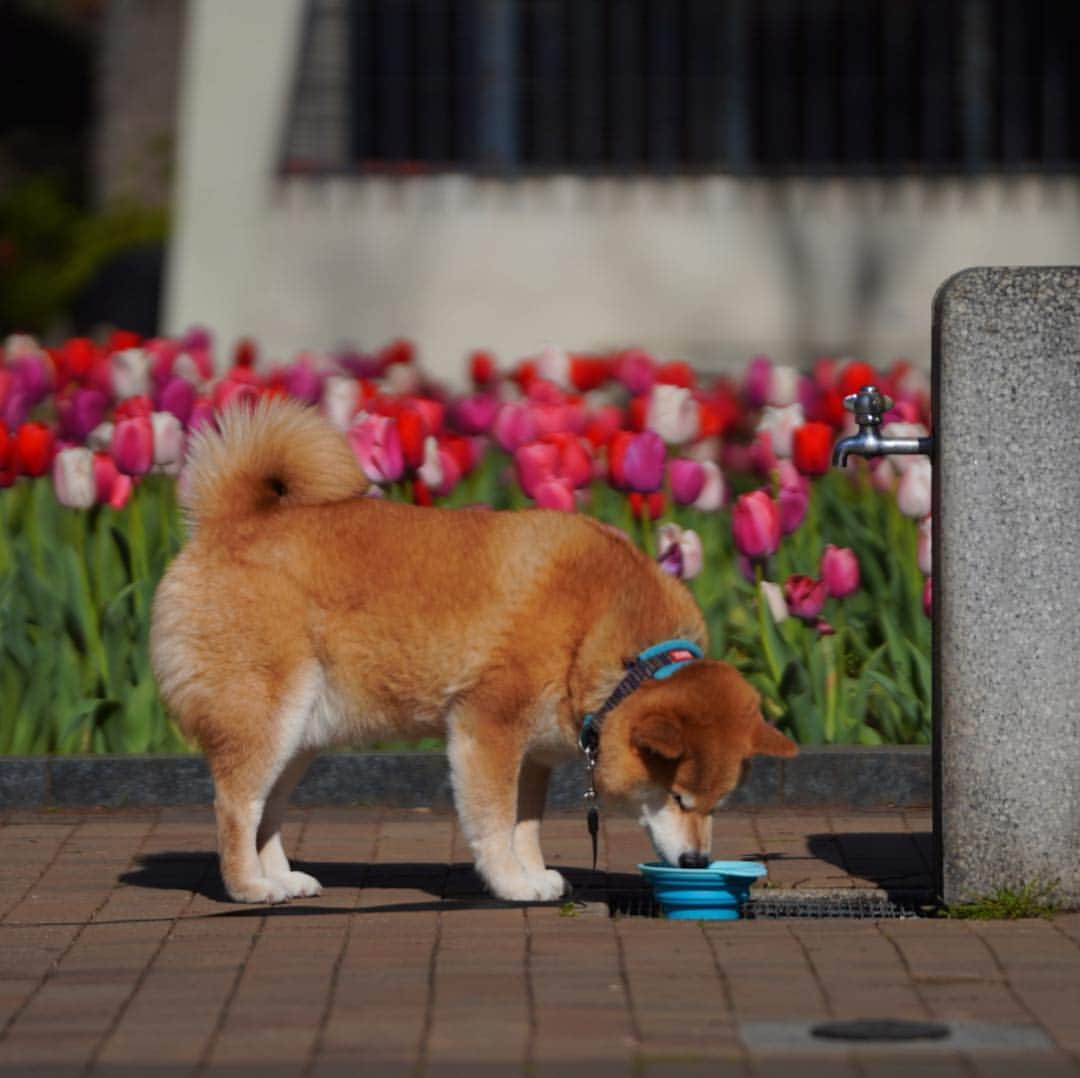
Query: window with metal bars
676	86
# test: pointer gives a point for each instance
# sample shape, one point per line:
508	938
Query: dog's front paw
259	889
543	886
300	885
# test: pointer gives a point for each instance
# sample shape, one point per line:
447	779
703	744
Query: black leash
655	663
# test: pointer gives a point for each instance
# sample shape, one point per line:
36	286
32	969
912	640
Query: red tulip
482	368
675	373
132	445
805	597
32	449
602	424
647	506
839	571
574	463
811	448
755	524
854	376
413	432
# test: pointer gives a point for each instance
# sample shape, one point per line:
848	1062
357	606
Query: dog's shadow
451	886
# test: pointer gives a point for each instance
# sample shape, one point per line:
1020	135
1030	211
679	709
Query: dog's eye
678	799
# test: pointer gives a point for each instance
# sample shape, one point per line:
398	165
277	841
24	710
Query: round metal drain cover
880	1029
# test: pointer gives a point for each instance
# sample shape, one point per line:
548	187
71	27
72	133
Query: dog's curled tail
279	452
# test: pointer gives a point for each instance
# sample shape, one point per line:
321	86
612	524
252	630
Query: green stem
763	613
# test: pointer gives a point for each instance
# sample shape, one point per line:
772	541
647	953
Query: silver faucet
869	405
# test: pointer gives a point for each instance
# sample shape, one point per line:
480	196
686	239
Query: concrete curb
852	777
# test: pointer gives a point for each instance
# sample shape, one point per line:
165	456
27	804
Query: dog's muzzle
693	860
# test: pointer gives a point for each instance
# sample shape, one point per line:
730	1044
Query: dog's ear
658	734
768	741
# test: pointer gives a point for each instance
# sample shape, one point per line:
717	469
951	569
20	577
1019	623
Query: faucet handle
869	405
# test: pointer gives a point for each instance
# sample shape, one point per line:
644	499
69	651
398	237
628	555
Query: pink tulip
514	426
925	548
839	571
535	464
475	414
132	445
451	472
756	381
805	597
928	597
555	493
73	477
755	524
636	369
121	491
687	479
230	393
913	493
105	476
680	552
793	496
377	446
202	413
761	456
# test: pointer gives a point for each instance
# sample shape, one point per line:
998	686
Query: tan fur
294	620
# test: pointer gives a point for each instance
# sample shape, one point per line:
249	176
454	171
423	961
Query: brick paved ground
119	956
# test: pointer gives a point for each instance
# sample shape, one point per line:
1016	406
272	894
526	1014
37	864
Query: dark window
669	86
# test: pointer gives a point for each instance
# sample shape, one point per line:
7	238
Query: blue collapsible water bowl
716	893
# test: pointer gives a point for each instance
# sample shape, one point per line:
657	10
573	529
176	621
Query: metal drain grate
641	903
858	907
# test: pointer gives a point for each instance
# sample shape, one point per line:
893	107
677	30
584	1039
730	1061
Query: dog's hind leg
485	765
275	864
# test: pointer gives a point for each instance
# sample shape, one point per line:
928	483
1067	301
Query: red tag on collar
681	655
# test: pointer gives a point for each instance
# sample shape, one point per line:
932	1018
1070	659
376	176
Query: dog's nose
693	860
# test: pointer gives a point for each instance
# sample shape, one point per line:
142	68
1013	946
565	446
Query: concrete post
1006	580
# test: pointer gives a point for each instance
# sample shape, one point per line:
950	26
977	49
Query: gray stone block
405	780
1007	573
23	781
129	780
878	777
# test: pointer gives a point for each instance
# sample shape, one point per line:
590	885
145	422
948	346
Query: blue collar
655	663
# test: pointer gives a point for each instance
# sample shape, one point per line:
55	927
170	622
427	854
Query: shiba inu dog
301	615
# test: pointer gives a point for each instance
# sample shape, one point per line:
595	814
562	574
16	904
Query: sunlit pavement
119	954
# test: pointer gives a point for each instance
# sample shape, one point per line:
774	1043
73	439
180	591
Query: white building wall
711	269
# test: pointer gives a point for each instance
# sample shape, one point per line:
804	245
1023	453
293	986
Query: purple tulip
475	414
197	337
514	426
32	377
178	397
359	365
687	478
759	372
643	464
16	408
304	383
80	413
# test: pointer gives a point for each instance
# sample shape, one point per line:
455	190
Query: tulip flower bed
815	582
